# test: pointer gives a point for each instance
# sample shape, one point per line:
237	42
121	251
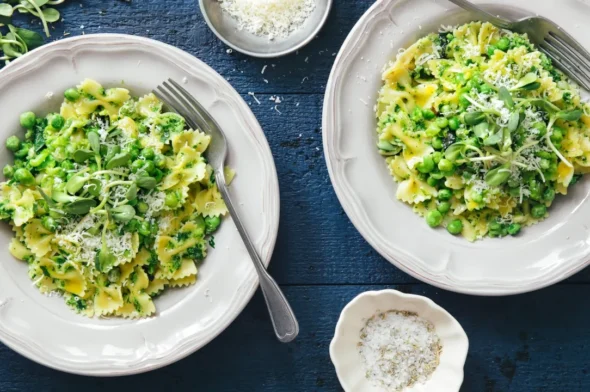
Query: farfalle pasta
111	201
480	130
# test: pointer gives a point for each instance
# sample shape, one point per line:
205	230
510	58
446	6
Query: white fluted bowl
447	377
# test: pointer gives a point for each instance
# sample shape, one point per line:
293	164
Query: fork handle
481	14
283	319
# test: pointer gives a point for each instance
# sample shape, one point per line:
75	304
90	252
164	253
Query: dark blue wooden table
531	342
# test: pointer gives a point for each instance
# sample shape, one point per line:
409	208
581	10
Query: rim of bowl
403	296
270	54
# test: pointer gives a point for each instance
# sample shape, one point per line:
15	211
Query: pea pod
499	175
81	156
80	207
146	182
123	213
119	159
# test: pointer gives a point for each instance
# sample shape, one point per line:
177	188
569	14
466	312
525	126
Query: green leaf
513	121
39	3
506	138
531	87
31	39
146	182
545	105
131	192
499	175
526	81
104	260
474	118
62	197
123	213
505	96
5	10
94	141
81	156
47	199
12	50
119	159
570	115
94	186
482	130
454	151
80	206
51	15
75	183
494	138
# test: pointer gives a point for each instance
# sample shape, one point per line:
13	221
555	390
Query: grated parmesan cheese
271	18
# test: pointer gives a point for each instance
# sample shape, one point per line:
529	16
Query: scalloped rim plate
540	256
448	375
43	328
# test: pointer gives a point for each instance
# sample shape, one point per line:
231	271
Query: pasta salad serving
480	130
111	200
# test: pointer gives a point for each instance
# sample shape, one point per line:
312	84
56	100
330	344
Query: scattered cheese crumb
250	93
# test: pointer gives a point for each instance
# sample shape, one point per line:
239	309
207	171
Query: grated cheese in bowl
398	349
272	18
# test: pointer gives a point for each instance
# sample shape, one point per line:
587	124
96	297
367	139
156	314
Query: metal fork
567	54
179	100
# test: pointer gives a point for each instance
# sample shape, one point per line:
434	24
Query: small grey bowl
226	29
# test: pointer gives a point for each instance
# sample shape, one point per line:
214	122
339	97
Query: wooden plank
531	342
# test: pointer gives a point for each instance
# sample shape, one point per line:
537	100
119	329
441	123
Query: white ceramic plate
542	255
44	329
344	353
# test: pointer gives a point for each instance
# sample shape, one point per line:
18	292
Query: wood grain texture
530	342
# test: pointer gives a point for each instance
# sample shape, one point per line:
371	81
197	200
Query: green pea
495	226
144	229
454	123
477	197
445	165
514	229
446	109
557	135
444	207
49	223
432	130
160	161
13	143
136	165
427	165
428	114
148	153
24	177
538	211
544	154
158	175
437	156
171	200
211	224
491	50
455	226
549	195
437	143
57	122
442	122
27	120
149	167
471	84
434	218
503	44
142	207
445	194
545	164
416	114
541	127
72	94
8	171
432	181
